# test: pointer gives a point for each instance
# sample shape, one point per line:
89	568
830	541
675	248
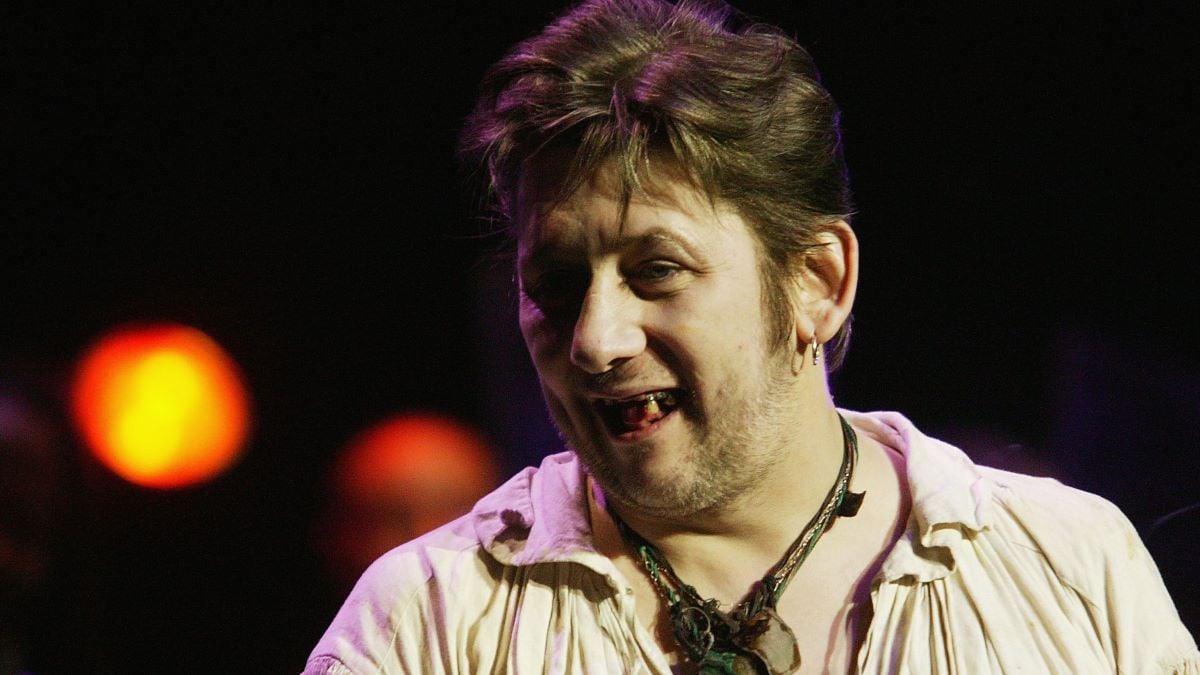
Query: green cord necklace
751	638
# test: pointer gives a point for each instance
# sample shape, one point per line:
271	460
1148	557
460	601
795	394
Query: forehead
663	196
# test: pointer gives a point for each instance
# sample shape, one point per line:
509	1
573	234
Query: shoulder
391	609
1032	551
1093	550
1049	504
1083	536
1079	530
402	576
415	608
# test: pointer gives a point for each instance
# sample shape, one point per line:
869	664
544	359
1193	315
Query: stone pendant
773	651
776	647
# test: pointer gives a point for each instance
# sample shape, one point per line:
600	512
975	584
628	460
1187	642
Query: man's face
648	336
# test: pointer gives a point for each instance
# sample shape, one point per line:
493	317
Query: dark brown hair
737	105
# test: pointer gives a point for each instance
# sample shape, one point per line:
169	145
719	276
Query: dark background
284	179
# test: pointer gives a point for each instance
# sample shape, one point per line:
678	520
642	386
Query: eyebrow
656	235
659	234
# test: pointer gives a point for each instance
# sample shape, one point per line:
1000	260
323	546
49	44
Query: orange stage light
161	405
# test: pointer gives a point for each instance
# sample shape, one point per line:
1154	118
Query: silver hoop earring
816	350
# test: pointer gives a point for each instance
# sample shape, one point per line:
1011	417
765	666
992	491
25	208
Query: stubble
734	448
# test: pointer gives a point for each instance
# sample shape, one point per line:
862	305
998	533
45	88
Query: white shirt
997	572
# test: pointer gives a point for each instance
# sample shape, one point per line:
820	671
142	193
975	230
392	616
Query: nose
608	330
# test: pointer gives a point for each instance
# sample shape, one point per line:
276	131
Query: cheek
558	411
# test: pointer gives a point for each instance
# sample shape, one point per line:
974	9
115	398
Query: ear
825	283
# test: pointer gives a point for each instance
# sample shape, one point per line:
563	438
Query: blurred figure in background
33	449
400	478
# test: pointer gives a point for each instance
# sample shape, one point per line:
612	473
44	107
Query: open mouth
638	412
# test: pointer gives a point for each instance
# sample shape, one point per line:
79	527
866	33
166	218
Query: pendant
767	648
693	631
731	663
738	663
775	647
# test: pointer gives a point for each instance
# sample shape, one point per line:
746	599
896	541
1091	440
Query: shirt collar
540	516
950	497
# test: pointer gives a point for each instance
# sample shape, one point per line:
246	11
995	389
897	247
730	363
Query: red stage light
397	479
161	405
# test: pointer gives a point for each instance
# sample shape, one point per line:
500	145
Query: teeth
651	400
638	412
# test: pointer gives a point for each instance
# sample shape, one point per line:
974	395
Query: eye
656	274
658	271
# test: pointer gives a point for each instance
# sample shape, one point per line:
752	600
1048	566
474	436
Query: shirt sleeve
1133	607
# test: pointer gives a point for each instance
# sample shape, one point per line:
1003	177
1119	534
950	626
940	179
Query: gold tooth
652	407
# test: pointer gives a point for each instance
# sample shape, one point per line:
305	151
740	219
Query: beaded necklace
751	638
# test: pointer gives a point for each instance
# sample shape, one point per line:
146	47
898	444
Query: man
673	180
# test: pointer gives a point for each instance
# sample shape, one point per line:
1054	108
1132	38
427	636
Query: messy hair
736	105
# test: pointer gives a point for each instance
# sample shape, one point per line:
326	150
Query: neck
758	527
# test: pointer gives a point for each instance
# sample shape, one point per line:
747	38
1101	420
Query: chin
653	487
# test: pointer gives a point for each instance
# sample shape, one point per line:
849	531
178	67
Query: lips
636	413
